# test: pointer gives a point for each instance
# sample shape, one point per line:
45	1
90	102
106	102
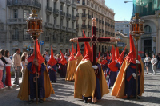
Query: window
78	1
72	25
26	36
47	3
61	22
147	29
46	39
54	38
61	38
47	17
83	22
26	13
54	20
72	11
84	11
61	7
54	5
15	36
15	13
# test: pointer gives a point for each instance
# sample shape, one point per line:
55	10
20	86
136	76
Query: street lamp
34	28
127	1
136	30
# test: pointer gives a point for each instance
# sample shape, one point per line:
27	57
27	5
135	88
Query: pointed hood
52	61
87	50
78	50
117	53
88	55
38	57
63	60
121	57
132	53
112	65
72	54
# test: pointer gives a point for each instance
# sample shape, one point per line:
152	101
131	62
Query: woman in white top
8	69
1	72
24	60
154	61
146	61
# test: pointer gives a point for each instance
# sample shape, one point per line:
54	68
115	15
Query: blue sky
123	10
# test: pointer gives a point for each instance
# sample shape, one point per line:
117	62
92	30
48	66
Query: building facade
59	24
122	31
149	11
88	9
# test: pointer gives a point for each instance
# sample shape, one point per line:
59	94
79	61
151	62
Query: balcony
74	4
96	29
89	27
55	12
62	13
62	1
16	21
31	3
57	27
83	27
77	27
74	30
96	19
89	17
73	18
48	25
27	37
63	28
84	16
103	22
68	16
100	30
48	9
77	14
68	29
68	2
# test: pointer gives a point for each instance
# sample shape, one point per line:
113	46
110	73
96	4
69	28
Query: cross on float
94	40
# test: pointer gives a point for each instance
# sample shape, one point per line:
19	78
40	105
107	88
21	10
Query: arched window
147	29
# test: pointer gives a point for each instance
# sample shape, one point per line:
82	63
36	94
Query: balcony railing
49	9
96	29
15	37
89	27
62	13
77	15
48	25
62	1
83	15
83	26
68	2
103	22
17	21
89	17
77	26
100	30
74	4
33	3
26	37
73	18
68	15
55	11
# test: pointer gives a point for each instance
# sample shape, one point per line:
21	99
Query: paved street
64	96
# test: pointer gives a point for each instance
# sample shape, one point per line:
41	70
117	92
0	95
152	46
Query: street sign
120	44
41	42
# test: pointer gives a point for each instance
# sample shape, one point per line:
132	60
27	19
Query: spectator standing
47	57
24	62
17	65
4	62
158	60
8	69
66	57
1	72
154	61
146	62
44	56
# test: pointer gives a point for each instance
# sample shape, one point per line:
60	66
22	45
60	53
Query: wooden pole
36	75
136	69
